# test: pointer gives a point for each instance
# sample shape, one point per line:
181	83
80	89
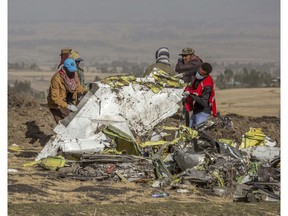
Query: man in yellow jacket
63	90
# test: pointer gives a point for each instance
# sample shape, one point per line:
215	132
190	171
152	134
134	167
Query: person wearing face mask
200	96
186	68
63	90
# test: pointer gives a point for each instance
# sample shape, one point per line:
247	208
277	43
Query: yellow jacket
58	93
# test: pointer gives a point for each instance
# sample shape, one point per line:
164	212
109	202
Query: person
186	68
162	62
64	54
76	56
63	90
200	96
187	65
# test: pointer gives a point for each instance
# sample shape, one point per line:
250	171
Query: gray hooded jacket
189	70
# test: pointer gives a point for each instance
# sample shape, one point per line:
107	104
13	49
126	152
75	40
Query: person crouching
63	90
200	96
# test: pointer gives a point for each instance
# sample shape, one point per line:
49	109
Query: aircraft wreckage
117	134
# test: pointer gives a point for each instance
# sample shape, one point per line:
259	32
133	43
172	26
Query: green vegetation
237	75
121	67
24	66
25	88
246	79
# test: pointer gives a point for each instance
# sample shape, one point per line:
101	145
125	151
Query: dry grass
254	102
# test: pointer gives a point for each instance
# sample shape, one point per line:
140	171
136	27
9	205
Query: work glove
72	107
180	75
185	94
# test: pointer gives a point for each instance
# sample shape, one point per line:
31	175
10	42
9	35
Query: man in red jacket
200	96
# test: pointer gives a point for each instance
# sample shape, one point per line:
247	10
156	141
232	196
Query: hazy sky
223	25
252	11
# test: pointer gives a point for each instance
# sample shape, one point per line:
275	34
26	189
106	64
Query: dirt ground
34	191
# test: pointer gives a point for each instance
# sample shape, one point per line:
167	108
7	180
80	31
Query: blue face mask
198	76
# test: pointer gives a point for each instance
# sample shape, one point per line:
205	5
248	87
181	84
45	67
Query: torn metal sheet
257	191
266	153
266	173
187	160
126	168
124	142
94	143
197	177
161	170
226	149
131	108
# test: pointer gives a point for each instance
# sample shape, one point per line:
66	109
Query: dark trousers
59	114
185	113
187	118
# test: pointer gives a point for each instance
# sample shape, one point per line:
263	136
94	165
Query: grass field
252	102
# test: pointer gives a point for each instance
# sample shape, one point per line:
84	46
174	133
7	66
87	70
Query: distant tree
104	70
113	70
54	67
16	66
220	81
34	67
97	78
22	66
226	79
20	86
266	79
254	78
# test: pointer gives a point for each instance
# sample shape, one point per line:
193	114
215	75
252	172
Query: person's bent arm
187	69
203	99
55	94
80	89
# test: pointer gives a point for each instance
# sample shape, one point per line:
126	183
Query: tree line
24	66
246	79
249	75
24	87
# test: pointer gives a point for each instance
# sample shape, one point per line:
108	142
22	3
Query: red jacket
207	81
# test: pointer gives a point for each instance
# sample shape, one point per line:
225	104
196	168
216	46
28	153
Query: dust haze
102	31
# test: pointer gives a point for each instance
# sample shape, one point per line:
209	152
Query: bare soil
34	191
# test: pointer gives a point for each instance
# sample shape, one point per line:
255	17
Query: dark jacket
189	69
202	102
